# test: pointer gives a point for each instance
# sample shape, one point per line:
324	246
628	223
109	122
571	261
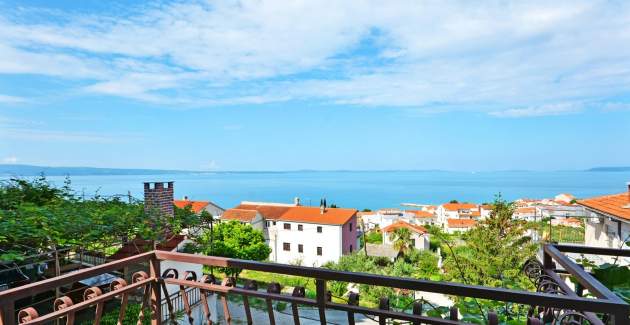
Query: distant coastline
609	169
33	170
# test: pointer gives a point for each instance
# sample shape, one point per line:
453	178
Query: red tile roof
421	214
614	205
270	212
196	206
239	214
461	223
526	210
459	206
331	216
402	224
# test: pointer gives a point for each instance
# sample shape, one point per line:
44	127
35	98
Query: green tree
492	254
401	238
374	237
236	240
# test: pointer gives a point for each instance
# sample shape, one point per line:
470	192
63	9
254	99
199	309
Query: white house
525	213
459	225
198	206
422	217
608	220
457	211
385	217
308	236
252	217
419	235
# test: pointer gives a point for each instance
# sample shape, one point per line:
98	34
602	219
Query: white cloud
6	99
543	110
33	130
456	54
10	160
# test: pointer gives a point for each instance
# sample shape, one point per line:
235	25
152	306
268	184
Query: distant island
30	170
609	169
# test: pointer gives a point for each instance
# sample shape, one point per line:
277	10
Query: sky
327	85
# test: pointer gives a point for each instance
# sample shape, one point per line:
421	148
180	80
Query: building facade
419	235
608	220
300	235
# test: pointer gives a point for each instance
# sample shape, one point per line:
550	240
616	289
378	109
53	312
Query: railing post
320	286
621	316
547	260
273	287
383	304
297	292
7	313
156	294
353	300
417	310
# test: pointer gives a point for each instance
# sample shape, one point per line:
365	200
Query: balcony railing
554	302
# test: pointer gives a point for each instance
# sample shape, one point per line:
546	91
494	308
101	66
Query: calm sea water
362	189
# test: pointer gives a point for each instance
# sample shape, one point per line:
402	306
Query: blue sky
283	85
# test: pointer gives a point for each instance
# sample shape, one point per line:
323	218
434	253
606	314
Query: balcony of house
154	295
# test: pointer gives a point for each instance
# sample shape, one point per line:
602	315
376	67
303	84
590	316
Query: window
350	226
300	248
268	223
274	223
286	246
319	251
413	242
319	229
300	228
350	248
287	226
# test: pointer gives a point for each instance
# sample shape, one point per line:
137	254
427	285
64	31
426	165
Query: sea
359	189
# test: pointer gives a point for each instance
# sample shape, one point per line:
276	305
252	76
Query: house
608	220
525	213
384	217
419	234
422	217
456	211
312	236
252	217
302	235
198	206
459	225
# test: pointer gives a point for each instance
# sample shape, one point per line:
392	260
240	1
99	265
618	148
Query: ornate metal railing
554	302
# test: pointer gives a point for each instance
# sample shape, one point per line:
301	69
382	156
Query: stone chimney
158	197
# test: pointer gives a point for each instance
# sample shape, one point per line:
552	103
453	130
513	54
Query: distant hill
30	170
609	169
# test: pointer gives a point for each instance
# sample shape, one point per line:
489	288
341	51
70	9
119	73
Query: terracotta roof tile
458	206
421	213
270	212
461	223
331	216
196	206
402	224
614	204
239	214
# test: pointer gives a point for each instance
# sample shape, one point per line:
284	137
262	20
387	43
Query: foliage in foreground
36	216
236	240
492	255
415	264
